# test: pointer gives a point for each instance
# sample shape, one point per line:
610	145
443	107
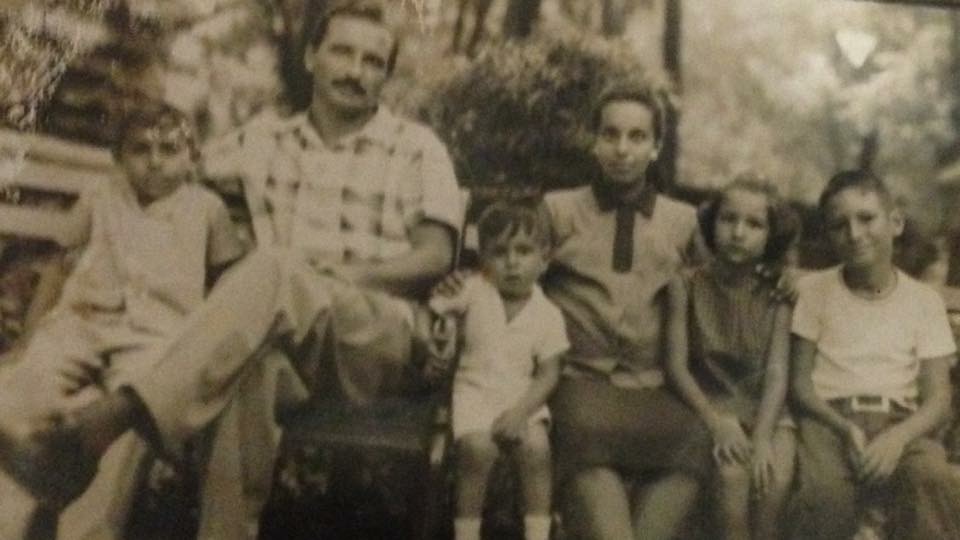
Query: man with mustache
356	213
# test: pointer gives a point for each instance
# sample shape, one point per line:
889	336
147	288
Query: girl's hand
762	466
451	285
856	444
785	289
731	444
510	427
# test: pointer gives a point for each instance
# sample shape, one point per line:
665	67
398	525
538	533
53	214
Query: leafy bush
519	115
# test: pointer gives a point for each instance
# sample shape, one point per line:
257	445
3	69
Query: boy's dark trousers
921	498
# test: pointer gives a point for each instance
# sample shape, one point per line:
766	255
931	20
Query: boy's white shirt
148	262
870	347
499	356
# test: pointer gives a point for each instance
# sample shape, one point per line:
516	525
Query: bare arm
544	382
776	378
935	393
412	273
511	426
803	353
678	368
730	441
882	455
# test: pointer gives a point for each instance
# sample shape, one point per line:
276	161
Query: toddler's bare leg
476	454
533	456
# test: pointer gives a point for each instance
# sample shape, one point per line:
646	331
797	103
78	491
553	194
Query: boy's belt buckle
871	404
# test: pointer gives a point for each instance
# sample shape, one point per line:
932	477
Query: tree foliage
518	114
767	86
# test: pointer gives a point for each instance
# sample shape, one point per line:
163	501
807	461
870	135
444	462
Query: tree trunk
614	17
299	16
667	169
520	17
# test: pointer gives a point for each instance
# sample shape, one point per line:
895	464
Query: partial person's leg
824	505
597	505
476	454
536	472
667	503
733	500
926	494
102	512
17	509
244	441
50	459
197	375
768	512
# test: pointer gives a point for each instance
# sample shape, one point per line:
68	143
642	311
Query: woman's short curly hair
783	221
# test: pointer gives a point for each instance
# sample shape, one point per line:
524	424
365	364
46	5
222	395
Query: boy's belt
874	404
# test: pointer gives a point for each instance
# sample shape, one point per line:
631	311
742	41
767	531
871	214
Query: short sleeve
557	209
223	241
441	194
807	320
554	338
934	337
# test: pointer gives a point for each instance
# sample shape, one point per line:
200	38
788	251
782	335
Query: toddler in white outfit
513	341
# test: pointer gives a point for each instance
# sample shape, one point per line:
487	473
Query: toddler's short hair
855	179
149	113
783	221
512	217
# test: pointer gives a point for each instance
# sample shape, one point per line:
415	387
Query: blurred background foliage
794	88
519	114
802	88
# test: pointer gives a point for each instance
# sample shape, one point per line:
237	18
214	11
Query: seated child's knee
928	467
733	475
534	450
476	450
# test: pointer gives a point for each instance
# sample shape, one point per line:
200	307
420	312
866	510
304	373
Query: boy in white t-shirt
871	354
513	339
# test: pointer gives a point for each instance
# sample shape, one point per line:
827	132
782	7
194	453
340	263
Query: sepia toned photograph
479	269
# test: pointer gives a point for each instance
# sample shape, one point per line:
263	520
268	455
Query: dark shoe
53	464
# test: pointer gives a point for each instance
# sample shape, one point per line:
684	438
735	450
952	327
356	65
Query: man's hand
347	273
510	427
77	373
731	444
441	346
785	289
881	456
451	285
